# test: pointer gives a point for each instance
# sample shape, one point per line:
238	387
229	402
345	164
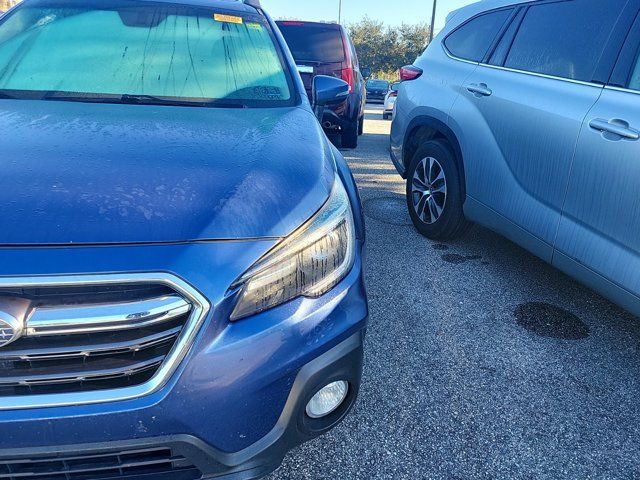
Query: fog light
328	399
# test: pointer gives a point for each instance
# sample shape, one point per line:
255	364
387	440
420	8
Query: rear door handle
619	128
481	90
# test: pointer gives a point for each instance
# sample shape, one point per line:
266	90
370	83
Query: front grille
92	337
157	463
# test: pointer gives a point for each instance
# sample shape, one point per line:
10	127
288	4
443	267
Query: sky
391	12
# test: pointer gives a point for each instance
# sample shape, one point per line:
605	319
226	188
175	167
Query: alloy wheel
429	190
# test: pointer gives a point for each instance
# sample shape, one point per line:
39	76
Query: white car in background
390	101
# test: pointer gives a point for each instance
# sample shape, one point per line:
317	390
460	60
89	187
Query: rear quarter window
473	39
564	39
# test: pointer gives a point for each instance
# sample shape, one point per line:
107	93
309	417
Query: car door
521	113
600	228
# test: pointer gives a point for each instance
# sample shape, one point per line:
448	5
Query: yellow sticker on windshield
254	26
218	17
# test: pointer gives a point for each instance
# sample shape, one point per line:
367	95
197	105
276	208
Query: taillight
393	94
410	72
347	66
347	76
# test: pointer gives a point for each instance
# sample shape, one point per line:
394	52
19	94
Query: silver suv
524	117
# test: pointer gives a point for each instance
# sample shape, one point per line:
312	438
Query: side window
473	39
564	39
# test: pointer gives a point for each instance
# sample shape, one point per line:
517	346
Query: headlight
308	263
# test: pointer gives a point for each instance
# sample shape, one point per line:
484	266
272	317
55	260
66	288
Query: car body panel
435	102
600	225
507	167
100	173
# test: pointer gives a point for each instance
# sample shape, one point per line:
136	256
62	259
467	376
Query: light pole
340	11
433	20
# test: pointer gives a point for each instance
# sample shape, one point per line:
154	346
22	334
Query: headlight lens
308	263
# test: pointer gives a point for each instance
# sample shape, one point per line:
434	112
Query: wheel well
423	133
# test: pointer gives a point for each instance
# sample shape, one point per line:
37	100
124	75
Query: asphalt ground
482	362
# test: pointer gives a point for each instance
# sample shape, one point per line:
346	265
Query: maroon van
326	49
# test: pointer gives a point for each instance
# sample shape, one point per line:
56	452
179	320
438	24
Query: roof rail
253	3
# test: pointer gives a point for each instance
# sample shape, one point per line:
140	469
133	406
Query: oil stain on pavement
550	321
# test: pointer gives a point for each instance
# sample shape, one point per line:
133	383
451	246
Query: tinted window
564	39
313	42
103	50
472	40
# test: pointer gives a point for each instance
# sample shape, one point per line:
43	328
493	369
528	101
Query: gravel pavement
482	362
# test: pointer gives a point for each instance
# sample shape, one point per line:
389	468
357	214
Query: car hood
78	173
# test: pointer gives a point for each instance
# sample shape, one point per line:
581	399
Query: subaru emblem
12	314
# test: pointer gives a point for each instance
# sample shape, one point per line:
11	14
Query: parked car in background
390	100
327	49
377	90
181	288
533	132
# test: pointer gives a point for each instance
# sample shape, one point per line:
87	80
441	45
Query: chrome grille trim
199	308
72	377
61	353
103	318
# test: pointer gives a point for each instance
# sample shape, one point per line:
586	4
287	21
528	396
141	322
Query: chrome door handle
481	90
616	127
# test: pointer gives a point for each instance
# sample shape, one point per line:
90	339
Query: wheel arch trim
444	131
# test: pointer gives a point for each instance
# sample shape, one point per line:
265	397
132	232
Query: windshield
140	52
318	43
378	84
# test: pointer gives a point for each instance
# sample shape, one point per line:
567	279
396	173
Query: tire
361	125
350	136
434	192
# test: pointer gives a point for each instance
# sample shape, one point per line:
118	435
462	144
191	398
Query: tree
385	49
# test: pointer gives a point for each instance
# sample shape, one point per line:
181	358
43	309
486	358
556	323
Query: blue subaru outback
181	288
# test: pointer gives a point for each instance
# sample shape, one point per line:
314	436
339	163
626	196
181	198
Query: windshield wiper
132	99
149	100
152	100
66	97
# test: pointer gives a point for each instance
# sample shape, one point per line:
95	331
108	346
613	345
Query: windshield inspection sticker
218	17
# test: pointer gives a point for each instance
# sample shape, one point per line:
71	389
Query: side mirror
366	72
329	91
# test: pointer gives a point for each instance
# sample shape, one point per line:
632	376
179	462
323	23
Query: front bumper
200	460
234	405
